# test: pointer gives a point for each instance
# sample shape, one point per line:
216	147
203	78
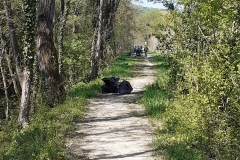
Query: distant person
138	50
141	51
135	50
146	50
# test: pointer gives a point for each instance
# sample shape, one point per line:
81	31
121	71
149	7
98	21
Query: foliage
155	97
76	59
202	113
122	67
43	139
45	136
125	26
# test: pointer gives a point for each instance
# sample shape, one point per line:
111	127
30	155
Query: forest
53	54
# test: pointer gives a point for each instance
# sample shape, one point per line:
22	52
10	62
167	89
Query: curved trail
115	126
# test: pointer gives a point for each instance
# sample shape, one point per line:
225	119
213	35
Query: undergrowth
122	67
44	137
156	99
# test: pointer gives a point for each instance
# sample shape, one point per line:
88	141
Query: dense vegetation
195	97
43	58
198	101
50	66
45	137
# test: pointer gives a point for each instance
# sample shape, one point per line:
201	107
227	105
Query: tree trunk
16	85
96	44
6	109
29	10
104	31
63	20
15	49
109	16
23	118
47	54
110	19
13	38
75	14
35	84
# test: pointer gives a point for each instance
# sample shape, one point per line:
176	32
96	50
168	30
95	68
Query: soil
115	126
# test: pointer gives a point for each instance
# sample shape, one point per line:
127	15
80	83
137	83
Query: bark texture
13	38
103	22
47	54
29	10
97	42
23	118
64	14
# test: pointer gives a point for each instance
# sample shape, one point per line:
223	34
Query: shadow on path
115	126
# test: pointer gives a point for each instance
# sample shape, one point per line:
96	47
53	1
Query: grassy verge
122	67
44	138
156	98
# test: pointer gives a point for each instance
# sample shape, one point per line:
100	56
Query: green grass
44	138
169	144
156	95
122	67
154	101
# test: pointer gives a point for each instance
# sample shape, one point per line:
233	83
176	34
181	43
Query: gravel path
115	127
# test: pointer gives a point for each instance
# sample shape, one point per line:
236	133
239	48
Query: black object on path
111	85
124	87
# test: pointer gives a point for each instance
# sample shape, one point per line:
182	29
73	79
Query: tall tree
47	54
13	42
104	31
96	52
3	73
109	23
64	14
29	10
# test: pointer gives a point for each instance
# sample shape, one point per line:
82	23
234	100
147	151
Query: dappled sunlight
116	126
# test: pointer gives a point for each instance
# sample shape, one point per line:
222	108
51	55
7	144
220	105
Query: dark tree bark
47	54
111	9
103	23
109	16
96	43
2	70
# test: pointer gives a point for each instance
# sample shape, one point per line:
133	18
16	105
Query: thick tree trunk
47	55
96	45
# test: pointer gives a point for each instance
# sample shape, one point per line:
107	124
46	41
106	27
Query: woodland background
48	48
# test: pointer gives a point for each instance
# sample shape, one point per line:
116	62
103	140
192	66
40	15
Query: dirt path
115	126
